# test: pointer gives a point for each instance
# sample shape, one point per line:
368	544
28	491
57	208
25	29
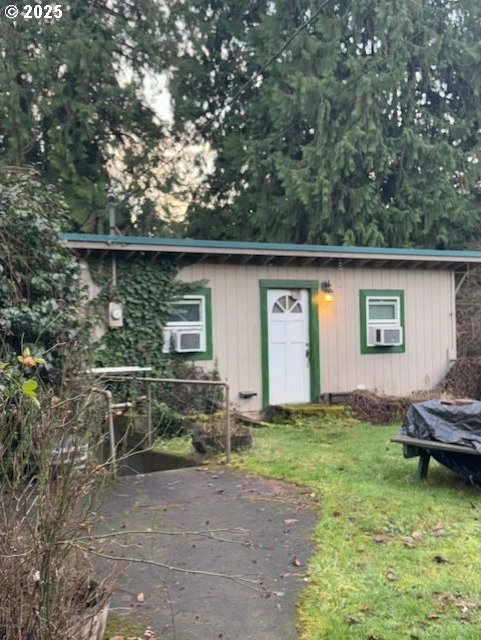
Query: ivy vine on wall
145	288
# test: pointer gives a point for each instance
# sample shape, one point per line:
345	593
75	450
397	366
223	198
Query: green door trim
312	287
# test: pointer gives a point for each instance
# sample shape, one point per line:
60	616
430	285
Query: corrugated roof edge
263	246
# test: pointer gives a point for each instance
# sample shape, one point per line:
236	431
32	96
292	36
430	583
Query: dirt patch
446	602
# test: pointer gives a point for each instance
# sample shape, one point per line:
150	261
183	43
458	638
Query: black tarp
451	424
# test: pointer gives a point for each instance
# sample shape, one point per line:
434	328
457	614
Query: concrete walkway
260	530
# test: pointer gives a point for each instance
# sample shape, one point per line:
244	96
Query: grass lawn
394	558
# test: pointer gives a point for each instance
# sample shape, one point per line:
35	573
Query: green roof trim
263	246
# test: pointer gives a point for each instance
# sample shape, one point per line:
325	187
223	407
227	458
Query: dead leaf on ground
353	619
390	575
457	600
407	541
465	613
438	530
432	616
296	562
289	521
379	538
440	559
416	535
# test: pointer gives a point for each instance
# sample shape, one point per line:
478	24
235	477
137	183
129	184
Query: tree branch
207	533
245	582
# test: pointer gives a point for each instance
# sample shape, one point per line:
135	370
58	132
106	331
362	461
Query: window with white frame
383	310
186	328
382	320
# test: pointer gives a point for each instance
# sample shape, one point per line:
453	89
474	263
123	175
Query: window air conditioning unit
385	336
188	340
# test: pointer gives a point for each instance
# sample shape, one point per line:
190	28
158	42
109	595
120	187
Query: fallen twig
245	582
207	533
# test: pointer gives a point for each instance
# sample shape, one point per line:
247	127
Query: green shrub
188	398
39	277
165	421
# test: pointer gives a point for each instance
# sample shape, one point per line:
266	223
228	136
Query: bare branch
207	533
245	582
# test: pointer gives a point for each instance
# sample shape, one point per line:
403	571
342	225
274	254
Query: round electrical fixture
116	313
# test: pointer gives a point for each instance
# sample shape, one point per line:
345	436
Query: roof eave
281	257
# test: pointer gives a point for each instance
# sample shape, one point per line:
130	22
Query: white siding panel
429	327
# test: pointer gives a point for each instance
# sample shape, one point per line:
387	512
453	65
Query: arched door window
286	304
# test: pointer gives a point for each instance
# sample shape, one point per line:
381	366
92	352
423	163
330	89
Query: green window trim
207	354
364	294
312	287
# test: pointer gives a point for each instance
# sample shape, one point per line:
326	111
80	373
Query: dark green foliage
166	422
145	288
364	130
178	404
71	102
39	277
191	398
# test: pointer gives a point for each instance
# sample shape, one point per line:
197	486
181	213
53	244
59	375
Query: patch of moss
179	446
120	626
289	413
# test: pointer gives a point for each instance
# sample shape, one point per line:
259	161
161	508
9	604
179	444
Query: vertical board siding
429	327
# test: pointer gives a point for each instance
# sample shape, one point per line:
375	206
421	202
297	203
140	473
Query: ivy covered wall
145	288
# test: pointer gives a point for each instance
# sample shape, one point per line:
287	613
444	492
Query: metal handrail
150	379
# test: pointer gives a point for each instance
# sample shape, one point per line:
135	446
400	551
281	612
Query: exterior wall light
327	290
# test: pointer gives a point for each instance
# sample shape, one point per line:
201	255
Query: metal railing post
149	414
113	453
227	425
110	416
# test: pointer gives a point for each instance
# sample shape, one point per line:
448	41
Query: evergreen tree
71	103
363	130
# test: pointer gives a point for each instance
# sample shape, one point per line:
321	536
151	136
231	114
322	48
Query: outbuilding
293	323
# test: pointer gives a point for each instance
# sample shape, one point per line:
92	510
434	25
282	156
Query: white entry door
288	344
